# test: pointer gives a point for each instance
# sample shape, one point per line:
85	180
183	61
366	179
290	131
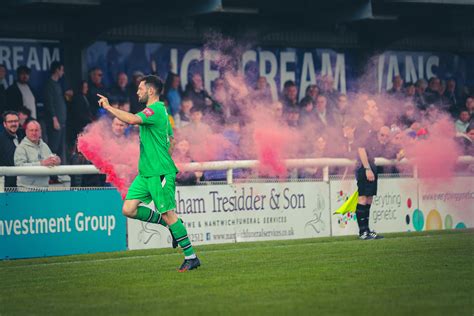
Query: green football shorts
160	189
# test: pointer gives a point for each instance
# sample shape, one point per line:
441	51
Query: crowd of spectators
331	118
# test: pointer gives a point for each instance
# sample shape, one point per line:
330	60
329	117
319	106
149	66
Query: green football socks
181	235
146	214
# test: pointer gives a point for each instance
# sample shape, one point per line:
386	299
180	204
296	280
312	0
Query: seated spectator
32	151
410	91
183	117
432	95
386	149
463	121
181	154
470	106
9	140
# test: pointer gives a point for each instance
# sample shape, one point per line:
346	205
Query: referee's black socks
362	215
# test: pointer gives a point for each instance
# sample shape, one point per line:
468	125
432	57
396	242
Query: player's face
142	92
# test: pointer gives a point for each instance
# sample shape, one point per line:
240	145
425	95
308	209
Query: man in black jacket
19	94
10	137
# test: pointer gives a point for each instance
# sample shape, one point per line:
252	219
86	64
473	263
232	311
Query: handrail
228	165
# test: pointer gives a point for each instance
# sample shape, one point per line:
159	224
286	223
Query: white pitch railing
227	165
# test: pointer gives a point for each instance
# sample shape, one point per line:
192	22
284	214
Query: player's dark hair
155	82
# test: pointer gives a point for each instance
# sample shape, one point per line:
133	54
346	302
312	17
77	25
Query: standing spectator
56	110
470	106
119	90
10	138
96	87
118	129
135	105
290	96
293	117
195	91
3	88
462	123
172	93
79	114
19	93
32	151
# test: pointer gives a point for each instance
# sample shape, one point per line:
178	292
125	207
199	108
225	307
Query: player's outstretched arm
120	114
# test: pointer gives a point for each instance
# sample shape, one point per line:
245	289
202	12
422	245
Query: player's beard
143	99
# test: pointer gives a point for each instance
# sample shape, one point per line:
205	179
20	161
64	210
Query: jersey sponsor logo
148	112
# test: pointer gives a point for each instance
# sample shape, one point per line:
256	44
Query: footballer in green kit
156	170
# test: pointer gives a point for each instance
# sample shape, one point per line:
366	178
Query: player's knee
128	210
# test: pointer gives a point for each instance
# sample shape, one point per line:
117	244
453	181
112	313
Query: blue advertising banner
412	66
37	224
304	66
35	54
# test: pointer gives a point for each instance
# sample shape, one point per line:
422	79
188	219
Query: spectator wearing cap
135	105
96	87
19	93
10	138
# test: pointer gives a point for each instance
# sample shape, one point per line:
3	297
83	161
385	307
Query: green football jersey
155	133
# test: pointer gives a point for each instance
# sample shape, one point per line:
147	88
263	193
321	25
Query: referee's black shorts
364	186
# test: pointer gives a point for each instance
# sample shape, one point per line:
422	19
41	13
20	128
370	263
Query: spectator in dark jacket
19	93
9	139
79	114
95	87
56	110
3	88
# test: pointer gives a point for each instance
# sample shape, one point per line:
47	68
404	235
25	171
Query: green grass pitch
429	273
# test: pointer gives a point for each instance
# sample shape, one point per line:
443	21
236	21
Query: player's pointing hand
103	101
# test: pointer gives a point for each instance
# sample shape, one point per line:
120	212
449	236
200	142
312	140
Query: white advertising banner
396	200
445	206
242	212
